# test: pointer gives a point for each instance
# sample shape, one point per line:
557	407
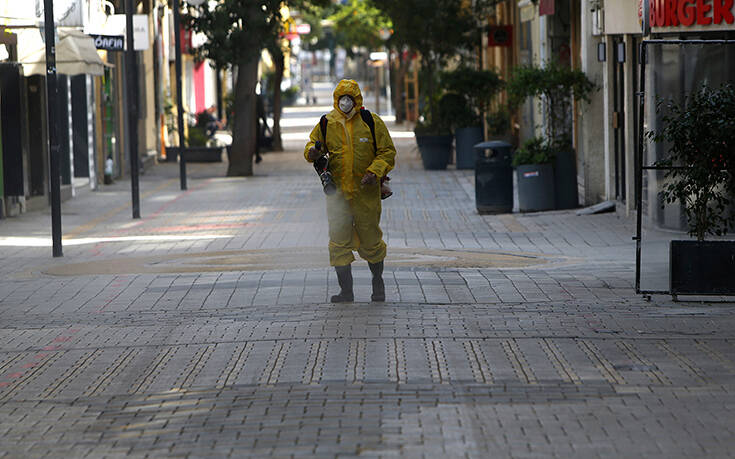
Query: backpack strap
367	117
323	127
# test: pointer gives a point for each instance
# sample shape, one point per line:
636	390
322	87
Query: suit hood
349	88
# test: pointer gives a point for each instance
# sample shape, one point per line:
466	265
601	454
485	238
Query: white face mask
345	104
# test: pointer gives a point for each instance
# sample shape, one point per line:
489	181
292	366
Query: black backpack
366	116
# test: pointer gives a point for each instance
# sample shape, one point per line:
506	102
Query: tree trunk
244	135
278	60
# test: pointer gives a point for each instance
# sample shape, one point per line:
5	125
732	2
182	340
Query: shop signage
546	7
689	15
500	36
116	25
109	42
67	13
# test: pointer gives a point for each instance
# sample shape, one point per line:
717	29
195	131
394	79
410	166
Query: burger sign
687	15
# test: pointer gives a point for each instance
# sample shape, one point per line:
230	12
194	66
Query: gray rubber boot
344	277
378	284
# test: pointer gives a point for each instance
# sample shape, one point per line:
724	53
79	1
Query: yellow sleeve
316	134
385	156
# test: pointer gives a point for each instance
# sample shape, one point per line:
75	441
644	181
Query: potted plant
535	175
558	86
434	137
700	134
451	29
475	90
197	147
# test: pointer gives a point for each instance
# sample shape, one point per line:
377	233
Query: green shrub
533	151
457	112
498	122
441	123
557	85
700	133
197	137
288	97
476	90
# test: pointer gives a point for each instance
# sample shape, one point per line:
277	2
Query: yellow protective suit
354	211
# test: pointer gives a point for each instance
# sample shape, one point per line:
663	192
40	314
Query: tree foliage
476	89
438	30
235	29
558	86
700	134
358	24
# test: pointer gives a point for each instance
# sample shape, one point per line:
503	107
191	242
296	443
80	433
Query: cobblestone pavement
203	330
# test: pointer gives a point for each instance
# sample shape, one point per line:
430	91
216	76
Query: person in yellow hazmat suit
358	160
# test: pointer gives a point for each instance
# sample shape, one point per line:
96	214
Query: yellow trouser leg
342	237
366	211
355	225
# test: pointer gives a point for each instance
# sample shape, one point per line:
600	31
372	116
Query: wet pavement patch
296	259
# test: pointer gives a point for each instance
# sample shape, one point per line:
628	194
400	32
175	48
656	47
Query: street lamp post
52	109
179	94
132	107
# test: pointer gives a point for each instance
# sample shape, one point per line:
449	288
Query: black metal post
131	77
218	76
179	95
52	110
639	167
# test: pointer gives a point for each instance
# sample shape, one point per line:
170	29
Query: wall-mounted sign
500	36
546	7
688	15
109	42
67	13
116	26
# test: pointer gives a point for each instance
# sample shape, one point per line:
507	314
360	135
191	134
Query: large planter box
702	268
435	150
535	187
466	139
195	154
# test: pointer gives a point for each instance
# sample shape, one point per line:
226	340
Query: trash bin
493	177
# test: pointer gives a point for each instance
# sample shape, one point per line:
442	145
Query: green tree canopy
237	31
438	30
358	24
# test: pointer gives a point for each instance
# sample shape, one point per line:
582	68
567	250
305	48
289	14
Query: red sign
546	7
686	13
186	47
500	36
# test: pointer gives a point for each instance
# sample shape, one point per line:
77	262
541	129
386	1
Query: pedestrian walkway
203	329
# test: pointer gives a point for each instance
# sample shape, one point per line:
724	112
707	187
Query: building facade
92	94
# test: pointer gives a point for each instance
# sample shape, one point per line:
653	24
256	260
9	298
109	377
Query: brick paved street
204	330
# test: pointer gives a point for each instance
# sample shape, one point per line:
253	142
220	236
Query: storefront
676	70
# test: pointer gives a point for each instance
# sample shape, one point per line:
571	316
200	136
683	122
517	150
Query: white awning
75	53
